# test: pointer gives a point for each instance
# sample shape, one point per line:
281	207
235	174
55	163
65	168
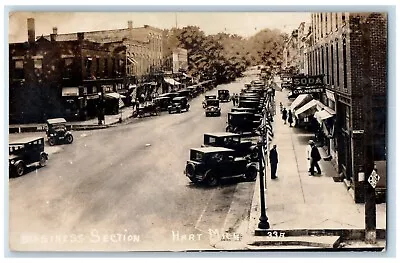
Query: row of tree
225	57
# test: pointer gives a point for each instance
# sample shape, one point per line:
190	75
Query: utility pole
370	198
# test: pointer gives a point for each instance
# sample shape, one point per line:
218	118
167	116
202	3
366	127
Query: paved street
123	188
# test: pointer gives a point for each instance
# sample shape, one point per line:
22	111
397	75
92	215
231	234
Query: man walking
284	115
273	160
314	157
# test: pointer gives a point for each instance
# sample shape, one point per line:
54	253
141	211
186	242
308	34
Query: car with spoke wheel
210	165
25	152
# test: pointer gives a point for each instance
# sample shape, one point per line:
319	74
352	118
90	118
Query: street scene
182	138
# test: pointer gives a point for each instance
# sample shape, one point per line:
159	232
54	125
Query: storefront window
347	120
19	69
68	67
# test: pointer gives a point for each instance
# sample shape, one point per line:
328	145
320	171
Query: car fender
46	154
18	162
68	133
249	165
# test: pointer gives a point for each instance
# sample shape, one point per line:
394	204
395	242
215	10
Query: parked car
211	164
223	95
162	102
170	95
251	104
25	152
257	116
242	122
178	105
212	108
57	132
148	108
185	93
242	148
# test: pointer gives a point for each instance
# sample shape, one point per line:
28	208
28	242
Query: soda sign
308	81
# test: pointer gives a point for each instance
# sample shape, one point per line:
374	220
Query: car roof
212	149
212	99
240	113
222	134
179	98
57	120
25	140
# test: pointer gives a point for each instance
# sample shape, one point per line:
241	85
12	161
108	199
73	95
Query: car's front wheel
251	173
43	160
20	169
211	178
52	141
69	138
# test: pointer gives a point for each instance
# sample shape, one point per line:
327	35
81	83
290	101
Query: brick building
144	46
61	78
338	51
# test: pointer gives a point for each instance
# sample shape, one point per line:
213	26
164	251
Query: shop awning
308	109
171	81
114	95
322	115
301	100
70	91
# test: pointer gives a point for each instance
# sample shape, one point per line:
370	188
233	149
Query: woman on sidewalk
290	118
284	115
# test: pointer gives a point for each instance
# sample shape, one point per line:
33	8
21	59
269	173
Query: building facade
62	78
339	51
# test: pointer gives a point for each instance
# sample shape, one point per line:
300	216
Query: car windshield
213	103
196	156
177	100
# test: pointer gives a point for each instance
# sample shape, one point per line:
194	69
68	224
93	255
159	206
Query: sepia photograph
197	131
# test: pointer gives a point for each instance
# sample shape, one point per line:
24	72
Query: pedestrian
233	99
273	160
280	106
314	157
284	115
290	118
237	99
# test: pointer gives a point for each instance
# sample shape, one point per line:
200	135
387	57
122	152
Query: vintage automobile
178	105
185	93
212	108
170	95
254	111
208	97
223	95
148	108
57	132
211	164
243	148
162	102
242	122
251	104
25	152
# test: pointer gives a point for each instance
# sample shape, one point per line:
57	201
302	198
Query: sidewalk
297	201
76	125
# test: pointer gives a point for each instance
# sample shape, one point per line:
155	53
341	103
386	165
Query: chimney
81	36
130	24
31	30
55	30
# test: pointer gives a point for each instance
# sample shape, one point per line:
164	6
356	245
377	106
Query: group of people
313	156
235	99
287	116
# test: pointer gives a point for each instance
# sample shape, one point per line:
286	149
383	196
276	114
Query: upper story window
68	67
336	21
19	69
38	63
343	19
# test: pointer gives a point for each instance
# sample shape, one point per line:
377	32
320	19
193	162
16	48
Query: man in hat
273	160
314	157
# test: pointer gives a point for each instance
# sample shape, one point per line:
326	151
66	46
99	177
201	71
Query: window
326	23
106	67
321	23
331	20
336	21
113	68
327	65
88	67
323	60
347	120
332	67
68	67
97	66
337	64
38	63
344	65
19	69
343	19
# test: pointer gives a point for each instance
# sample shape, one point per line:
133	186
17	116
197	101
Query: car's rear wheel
43	160
20	169
251	173
52	141
69	138
211	178
169	111
254	154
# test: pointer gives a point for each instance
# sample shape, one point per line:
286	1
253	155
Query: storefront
113	102
75	103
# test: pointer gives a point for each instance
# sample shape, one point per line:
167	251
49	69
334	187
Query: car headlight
12	161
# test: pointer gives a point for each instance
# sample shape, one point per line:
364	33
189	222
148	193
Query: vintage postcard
197	131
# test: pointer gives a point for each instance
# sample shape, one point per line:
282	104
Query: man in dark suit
315	158
273	160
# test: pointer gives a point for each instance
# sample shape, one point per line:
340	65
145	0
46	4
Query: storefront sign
301	80
330	95
70	91
308	90
107	88
373	179
286	85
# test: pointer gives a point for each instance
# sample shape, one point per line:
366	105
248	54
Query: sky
242	23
